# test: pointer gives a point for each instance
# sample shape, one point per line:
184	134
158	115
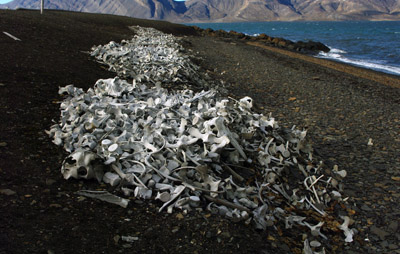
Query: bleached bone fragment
12	36
336	195
141	192
259	216
105	196
341	173
224	211
163	186
334	183
246	102
281	191
172	165
346	230
127	191
163	196
151	183
284	150
129	239
224	131
314	207
194	201
271	177
110	160
111	178
175	194
112	148
246	202
315	230
307	249
315	244
82	164
291	219
180	203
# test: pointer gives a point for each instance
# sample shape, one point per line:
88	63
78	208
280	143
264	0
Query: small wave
329	55
336	54
361	63
338	51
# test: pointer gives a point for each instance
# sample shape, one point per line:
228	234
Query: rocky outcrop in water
310	47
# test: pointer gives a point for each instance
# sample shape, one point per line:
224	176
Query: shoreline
354	48
380	77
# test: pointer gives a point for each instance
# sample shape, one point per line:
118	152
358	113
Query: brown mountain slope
230	10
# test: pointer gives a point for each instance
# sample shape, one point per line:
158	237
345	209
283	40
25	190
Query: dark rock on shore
311	46
308	47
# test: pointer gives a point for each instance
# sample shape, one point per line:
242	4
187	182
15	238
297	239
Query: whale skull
81	164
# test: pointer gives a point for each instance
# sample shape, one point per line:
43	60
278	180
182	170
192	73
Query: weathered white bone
129	239
82	164
259	216
111	178
180	203
336	195
163	186
346	230
144	193
194	201
224	211
246	202
315	230
105	196
281	191
314	207
271	177
311	186
127	191
307	249
223	131
246	102
315	244
291	219
176	193
341	173
163	196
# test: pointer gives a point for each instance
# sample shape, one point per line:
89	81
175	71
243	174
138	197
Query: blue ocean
369	44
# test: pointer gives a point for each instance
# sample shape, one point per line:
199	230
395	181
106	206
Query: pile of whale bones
190	150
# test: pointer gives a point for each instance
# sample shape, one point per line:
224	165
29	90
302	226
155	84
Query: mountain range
228	10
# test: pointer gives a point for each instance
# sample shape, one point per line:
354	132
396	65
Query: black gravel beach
352	116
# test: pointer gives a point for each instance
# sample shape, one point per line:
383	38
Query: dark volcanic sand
341	111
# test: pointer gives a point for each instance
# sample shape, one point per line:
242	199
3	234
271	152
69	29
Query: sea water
369	44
